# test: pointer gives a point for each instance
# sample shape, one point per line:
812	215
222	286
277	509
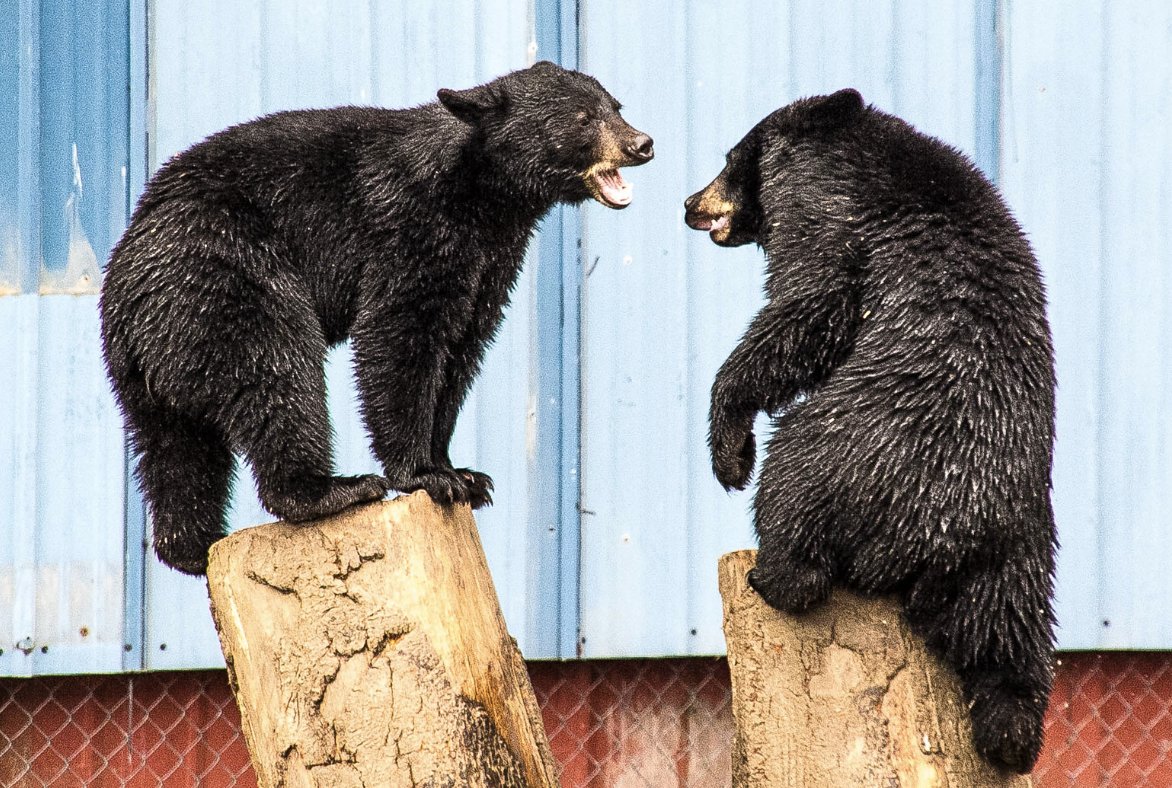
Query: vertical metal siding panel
202	80
83	150
12	85
663	306
1052	170
914	59
18	314
284	56
634	357
134	581
724	285
63	562
79	490
1135	441
18	506
555	420
80	472
989	41
495	432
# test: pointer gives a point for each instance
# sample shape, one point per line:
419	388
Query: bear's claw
448	486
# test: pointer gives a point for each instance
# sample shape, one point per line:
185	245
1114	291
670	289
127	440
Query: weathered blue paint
61	467
83	103
19	89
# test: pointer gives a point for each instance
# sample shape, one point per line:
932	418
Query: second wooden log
843	695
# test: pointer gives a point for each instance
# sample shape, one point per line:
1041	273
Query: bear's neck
498	195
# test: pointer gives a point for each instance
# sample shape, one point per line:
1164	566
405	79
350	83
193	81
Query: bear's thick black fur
257	249
905	356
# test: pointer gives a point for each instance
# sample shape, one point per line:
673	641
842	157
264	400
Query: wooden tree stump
842	695
368	649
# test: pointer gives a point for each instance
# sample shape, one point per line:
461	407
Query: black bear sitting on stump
257	249
905	356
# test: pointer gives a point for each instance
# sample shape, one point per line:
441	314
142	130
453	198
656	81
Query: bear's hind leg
278	419
995	629
289	449
787	582
185	472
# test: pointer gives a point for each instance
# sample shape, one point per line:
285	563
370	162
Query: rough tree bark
842	695
369	650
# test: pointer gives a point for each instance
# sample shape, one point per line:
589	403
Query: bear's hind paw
313	499
790	592
1007	730
480	487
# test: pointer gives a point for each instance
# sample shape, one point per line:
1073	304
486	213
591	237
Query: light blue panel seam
990	61
557	379
18	520
135	518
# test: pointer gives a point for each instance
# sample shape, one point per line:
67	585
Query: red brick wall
638	723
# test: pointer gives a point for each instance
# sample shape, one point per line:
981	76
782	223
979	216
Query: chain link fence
625	723
151	729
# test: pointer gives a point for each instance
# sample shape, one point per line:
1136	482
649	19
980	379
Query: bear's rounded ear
473	104
834	110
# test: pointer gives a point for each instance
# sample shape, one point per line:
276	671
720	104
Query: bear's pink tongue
719	223
613	187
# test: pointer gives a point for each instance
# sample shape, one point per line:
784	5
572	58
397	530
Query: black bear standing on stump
905	356
257	249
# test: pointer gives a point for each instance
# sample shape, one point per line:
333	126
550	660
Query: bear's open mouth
609	187
711	224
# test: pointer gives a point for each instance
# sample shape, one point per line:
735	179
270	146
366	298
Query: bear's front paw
1007	728
734	452
447	485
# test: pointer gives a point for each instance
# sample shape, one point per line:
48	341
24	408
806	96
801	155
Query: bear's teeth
719	223
614	187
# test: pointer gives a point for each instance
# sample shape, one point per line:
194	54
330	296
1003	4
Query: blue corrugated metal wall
622	318
64	160
1086	161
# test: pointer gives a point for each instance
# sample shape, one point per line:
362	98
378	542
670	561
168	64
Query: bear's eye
584	119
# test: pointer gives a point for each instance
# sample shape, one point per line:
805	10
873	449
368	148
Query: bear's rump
888	496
